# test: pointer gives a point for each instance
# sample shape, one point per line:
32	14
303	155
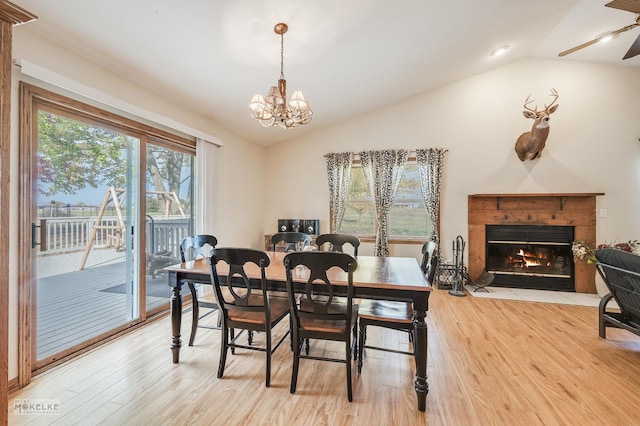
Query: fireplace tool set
457	287
452	276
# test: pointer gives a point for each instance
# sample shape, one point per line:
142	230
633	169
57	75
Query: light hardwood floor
491	362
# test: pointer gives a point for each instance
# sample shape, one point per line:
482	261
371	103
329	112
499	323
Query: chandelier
273	110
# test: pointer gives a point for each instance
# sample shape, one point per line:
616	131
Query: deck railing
165	235
64	235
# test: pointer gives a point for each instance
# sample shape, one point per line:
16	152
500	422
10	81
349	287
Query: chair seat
279	308
325	326
389	311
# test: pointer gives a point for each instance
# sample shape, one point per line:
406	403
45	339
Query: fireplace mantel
559	209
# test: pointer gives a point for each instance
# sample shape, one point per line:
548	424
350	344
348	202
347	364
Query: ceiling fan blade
597	39
628	5
634	49
582	46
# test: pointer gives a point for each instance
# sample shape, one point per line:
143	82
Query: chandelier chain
282	56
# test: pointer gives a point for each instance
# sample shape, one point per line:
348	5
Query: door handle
34	243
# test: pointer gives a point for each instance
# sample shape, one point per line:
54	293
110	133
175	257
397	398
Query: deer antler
554	93
527	102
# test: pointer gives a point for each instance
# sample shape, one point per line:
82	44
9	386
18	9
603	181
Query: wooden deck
74	306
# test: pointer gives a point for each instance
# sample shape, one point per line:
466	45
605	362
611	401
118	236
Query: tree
74	155
164	171
358	190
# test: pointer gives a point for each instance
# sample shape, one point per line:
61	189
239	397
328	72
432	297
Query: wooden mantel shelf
556	209
559	194
559	199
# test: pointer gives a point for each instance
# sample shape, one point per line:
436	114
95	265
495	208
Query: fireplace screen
527	256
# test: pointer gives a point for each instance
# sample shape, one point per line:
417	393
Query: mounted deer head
529	145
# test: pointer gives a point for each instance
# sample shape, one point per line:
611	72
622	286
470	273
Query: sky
90	196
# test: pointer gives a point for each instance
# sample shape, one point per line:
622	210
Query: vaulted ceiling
348	57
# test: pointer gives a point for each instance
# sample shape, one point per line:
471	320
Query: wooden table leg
176	315
420	349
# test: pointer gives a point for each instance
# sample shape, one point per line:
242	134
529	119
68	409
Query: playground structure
117	233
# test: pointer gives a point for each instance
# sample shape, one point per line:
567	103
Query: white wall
593	145
240	165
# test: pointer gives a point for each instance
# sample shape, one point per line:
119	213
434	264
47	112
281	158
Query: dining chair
244	307
337	241
192	248
392	314
290	239
318	316
429	261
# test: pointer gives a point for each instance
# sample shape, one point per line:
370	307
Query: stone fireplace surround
574	209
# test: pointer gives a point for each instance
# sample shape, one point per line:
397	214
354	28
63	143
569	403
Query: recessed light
500	50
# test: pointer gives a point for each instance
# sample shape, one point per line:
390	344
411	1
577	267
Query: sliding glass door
169	215
107	201
85	233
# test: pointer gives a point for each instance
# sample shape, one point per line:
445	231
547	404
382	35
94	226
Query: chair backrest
336	241
197	246
320	303
290	239
620	271
239	295
429	260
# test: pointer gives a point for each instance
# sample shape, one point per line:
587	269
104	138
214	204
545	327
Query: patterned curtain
338	176
382	171
431	163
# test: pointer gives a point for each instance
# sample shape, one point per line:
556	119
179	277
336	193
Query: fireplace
551	214
525	256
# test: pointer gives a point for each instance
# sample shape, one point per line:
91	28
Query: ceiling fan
626	5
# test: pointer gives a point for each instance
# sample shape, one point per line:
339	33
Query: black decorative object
284	225
308	226
311	226
482	282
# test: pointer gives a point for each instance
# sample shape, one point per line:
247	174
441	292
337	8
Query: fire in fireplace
529	256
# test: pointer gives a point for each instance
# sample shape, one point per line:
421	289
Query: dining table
381	278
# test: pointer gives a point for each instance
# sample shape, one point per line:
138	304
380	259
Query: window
408	216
